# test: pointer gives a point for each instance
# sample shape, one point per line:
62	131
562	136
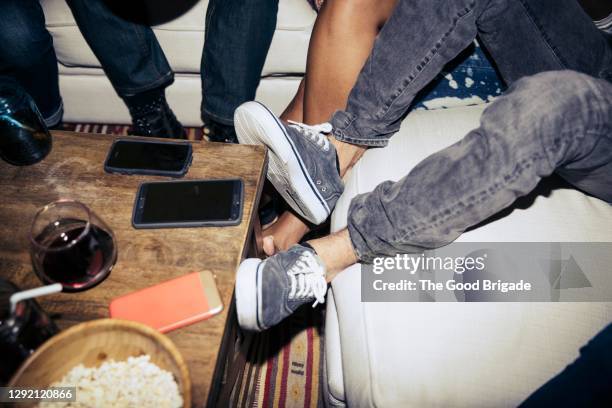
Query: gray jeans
524	37
547	122
558	121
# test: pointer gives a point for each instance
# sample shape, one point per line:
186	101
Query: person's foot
218	132
303	163
268	291
287	231
155	119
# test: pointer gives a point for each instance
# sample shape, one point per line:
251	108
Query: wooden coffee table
74	169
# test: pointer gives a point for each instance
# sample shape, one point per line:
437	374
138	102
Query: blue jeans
27	55
237	38
238	35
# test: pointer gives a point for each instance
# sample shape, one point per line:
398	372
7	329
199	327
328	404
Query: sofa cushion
79	84
334	381
454	354
183	38
461	354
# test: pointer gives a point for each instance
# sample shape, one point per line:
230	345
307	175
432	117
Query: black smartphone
189	203
150	157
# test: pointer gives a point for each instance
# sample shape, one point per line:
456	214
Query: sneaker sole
248	295
255	124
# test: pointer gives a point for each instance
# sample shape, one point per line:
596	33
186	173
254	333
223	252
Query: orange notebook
171	304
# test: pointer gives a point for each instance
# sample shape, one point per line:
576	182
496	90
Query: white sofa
383	354
89	97
457	354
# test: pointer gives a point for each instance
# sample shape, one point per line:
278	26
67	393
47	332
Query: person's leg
237	39
438	31
524	37
27	55
404	59
554	121
558	121
585	382
134	63
552	35
345	29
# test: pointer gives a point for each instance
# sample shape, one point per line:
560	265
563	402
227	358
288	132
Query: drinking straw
32	293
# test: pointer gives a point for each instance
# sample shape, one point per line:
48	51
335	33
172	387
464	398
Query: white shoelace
308	279
316	133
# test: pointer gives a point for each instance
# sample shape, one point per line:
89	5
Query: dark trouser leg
559	121
129	52
135	64
27	55
238	35
525	38
585	382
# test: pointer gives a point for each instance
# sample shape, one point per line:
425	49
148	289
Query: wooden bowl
92	343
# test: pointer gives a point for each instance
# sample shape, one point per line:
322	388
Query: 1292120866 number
55	394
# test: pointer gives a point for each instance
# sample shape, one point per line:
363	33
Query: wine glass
71	245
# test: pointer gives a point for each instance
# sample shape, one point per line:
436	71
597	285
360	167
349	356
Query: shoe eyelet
318	182
323	189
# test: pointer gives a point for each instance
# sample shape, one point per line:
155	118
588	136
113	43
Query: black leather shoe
218	132
155	119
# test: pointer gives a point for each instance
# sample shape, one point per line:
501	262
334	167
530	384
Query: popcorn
136	382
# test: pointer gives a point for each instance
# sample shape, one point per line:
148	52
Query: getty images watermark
493	272
458	265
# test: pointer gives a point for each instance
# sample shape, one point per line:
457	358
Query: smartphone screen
189	203
135	155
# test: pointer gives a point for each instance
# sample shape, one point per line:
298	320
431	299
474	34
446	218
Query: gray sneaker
302	162
268	291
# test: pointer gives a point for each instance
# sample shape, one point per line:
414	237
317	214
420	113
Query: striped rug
121	130
284	364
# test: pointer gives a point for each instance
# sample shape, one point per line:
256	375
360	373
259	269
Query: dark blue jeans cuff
224	119
164	81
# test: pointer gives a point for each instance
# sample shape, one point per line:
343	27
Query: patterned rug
283	364
120	130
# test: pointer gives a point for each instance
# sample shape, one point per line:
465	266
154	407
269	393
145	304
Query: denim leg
413	46
237	39
27	55
129	52
553	121
524	37
585	382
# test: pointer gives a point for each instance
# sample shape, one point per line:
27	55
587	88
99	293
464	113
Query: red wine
80	266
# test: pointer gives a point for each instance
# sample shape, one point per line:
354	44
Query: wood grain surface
74	170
